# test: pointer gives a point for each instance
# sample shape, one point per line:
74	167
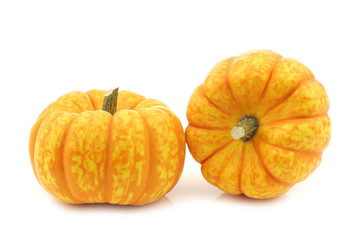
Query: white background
164	50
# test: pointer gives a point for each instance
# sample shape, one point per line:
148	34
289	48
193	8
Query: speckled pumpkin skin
81	154
294	128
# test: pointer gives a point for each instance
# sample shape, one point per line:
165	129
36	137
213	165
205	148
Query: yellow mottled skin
294	128
81	154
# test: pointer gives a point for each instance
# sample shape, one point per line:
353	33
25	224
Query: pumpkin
115	147
258	124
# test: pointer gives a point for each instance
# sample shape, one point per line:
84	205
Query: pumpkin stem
245	129
110	101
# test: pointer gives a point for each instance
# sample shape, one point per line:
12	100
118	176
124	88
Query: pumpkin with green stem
98	147
258	124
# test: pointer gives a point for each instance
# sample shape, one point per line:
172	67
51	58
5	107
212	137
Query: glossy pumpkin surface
290	107
81	154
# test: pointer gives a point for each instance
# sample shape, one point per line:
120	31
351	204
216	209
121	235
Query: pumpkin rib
74	104
82	161
286	96
250	97
228	81
309	100
83	186
287	120
63	162
223	82
284	172
33	136
177	164
148	103
242	157
219	167
290	149
212	103
261	161
212	154
178	129
86	100
226	163
77	189
308	134
36	163
76	93
255	180
202	112
46	179
225	139
93	100
35	128
154	192
210	128
131	95
223	165
85	175
128	132
146	132
268	81
133	171
106	164
146	186
56	106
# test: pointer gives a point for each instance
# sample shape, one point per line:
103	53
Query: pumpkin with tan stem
131	152
258	124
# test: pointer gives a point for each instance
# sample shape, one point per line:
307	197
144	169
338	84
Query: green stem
110	101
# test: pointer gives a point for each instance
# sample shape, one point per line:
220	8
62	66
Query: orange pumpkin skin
81	154
294	128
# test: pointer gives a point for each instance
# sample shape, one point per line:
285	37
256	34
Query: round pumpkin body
258	124
82	154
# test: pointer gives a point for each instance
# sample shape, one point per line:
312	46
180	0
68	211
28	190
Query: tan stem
237	132
245	129
110	101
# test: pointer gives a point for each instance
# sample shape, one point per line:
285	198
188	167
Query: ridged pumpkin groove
290	107
82	154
